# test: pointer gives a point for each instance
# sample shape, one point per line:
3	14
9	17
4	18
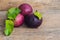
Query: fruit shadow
2	27
25	26
4	17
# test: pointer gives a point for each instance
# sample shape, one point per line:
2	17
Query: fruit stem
36	10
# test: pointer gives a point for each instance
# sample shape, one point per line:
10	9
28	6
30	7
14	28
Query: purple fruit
26	9
19	20
33	21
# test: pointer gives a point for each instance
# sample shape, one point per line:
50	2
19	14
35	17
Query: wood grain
49	30
38	4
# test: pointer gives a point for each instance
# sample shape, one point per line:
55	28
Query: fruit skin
32	21
26	9
19	20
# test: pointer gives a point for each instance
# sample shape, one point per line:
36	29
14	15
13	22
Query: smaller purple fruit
19	20
26	9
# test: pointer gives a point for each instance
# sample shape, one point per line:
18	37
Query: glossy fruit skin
26	9
19	20
32	21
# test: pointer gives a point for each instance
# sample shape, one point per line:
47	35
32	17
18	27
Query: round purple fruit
26	9
19	20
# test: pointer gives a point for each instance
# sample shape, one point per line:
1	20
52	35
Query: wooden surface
37	4
49	30
15	3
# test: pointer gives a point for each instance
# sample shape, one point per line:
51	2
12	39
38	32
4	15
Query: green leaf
38	14
12	13
9	26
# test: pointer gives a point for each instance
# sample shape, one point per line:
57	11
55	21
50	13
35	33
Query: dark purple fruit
32	21
26	9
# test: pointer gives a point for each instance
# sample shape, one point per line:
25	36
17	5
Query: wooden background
50	28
